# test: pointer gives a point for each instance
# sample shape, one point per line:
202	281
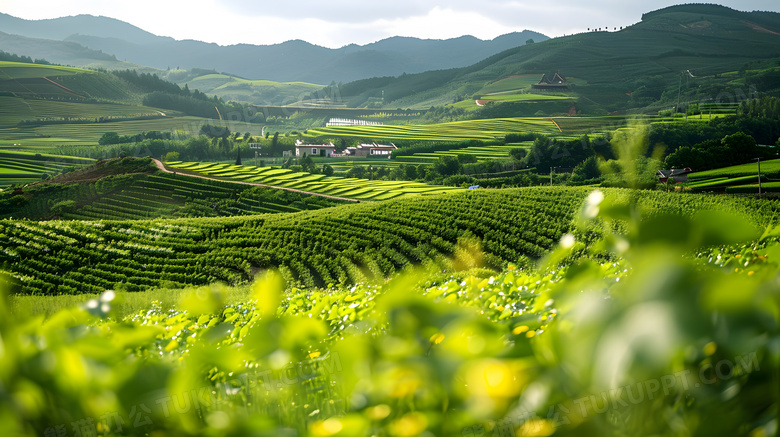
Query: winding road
162	168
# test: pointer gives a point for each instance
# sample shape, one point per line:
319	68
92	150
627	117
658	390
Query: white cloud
335	23
442	23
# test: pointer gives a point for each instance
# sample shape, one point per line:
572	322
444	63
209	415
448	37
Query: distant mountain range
86	40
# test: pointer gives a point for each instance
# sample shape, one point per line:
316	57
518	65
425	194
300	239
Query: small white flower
108	296
592	203
621	246
567	241
595	197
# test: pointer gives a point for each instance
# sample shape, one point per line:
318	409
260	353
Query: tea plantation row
141	196
345	244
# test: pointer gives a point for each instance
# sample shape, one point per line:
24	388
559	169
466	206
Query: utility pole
256	147
551	175
679	88
759	176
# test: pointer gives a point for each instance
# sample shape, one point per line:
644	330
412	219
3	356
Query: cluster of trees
10	57
189	104
110	138
441	114
732	149
759	118
305	163
723	141
148	82
766	107
213	143
168	95
430	147
547	153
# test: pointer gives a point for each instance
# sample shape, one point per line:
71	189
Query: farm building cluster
359	151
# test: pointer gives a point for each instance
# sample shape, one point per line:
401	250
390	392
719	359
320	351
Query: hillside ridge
277	62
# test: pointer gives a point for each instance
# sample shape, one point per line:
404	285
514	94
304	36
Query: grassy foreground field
432	352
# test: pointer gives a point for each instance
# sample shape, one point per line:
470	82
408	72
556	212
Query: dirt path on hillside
65	88
162	168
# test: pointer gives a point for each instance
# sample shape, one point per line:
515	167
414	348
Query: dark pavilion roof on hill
555	81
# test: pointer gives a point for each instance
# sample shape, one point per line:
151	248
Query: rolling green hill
257	92
45	106
35	81
616	69
129	189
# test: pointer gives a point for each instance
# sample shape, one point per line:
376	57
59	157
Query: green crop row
344	244
159	195
333	186
489	129
770	168
15	166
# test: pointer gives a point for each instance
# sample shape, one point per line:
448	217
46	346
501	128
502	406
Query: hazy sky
336	23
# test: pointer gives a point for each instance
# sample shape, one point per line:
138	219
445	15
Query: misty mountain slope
291	61
61	28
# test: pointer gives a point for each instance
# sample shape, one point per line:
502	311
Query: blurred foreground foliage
664	325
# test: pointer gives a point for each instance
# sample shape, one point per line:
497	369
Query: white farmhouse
366	150
323	150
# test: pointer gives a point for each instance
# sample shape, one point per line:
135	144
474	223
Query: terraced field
511	83
526	97
166	195
349	243
141	195
478	152
19	168
742	179
454	131
47	138
351	188
14	109
770	168
486	129
20	70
